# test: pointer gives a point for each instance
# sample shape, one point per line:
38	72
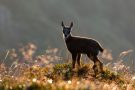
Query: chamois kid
81	45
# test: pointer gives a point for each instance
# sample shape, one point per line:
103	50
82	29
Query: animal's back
83	45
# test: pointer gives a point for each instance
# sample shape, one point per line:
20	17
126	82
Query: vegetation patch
40	73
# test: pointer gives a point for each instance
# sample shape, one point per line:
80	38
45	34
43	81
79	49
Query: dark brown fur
81	45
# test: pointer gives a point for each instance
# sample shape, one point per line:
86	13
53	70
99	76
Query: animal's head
66	29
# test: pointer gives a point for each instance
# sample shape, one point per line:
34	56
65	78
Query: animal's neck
67	37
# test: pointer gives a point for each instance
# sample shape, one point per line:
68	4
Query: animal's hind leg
74	57
98	64
95	68
78	59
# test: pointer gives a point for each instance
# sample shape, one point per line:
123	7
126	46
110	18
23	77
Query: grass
38	73
61	77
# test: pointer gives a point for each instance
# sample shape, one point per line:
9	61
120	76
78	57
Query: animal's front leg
78	59
74	57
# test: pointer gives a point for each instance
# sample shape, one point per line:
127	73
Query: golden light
49	80
69	82
34	79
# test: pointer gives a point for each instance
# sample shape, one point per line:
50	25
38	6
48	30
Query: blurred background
111	22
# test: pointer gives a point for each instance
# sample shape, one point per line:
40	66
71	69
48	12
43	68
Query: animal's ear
71	25
62	24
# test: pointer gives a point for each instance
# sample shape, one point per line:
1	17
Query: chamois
82	45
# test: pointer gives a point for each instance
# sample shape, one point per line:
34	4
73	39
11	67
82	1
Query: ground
47	72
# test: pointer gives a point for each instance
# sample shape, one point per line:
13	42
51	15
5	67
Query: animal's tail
101	49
